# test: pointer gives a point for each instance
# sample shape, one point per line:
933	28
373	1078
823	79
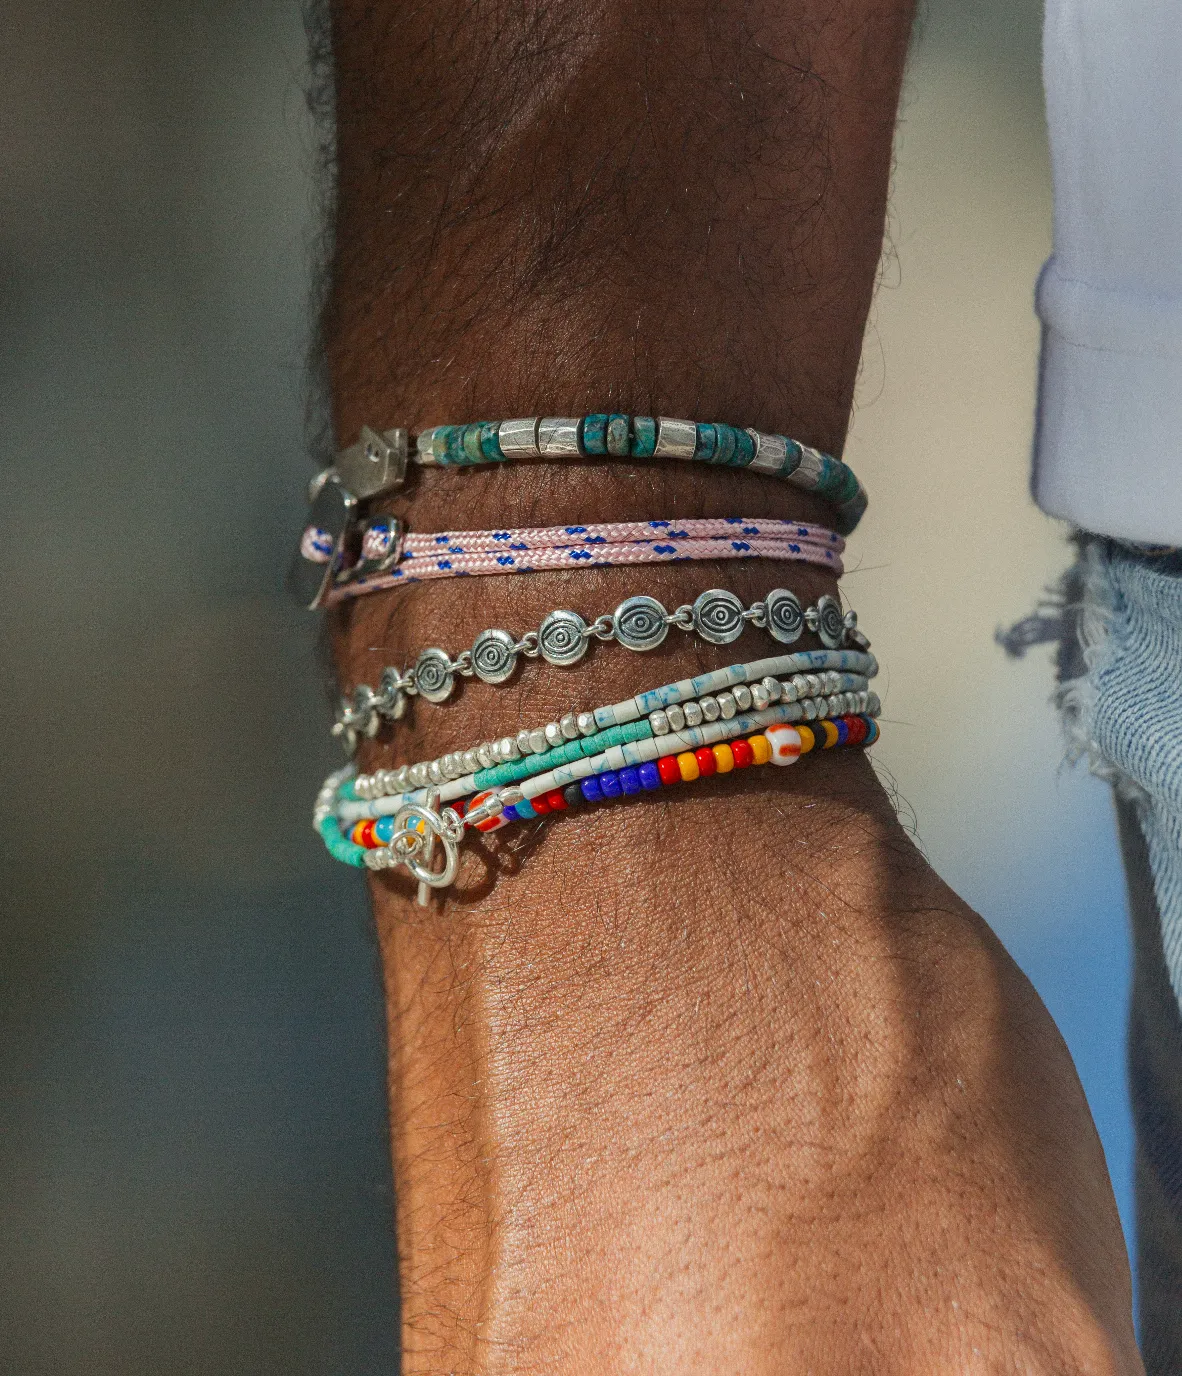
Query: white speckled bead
709	707
742	695
676	717
693	713
785	743
659	722
726	705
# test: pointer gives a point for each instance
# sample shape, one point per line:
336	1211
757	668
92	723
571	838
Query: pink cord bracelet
389	558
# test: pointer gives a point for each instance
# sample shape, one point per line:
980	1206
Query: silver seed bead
836	705
554	736
814	684
586	723
710	708
771	686
726	705
800	686
434	773
484	755
676	717
508	749
759	696
453	766
693	713
418	775
570	727
471	762
873	704
809	707
659	721
537	741
863	700
742	697
523	744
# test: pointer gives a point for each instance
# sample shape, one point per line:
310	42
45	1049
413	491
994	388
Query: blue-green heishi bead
617	436
594	434
724	449
635	731
490	440
848	516
470	443
439	443
744	448
347	791
792	457
644	437
845	486
707	439
455	444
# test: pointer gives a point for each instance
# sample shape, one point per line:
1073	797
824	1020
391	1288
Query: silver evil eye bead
785	619
640	623
433	676
718	616
494	656
830	622
561	638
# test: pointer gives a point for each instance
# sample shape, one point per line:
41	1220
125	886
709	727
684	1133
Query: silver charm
561	638
391	698
640	623
434	679
325	544
718	616
494	656
374	465
830	625
785	619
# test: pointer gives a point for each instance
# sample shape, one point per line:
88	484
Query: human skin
722	1080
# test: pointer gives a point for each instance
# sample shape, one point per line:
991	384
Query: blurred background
192	1126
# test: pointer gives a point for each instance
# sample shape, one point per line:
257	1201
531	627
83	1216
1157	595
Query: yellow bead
807	739
724	759
688	766
760	748
356	834
831	735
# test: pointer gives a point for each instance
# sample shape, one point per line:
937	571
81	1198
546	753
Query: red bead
707	764
540	805
857	730
555	801
743	754
669	769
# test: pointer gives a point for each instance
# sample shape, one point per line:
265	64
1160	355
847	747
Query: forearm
644	1062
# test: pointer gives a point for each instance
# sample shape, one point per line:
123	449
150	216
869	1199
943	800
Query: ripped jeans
1121	697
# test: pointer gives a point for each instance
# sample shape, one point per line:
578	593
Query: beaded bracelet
376	465
389	557
639	623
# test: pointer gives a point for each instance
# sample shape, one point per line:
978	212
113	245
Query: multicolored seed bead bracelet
638	623
649	437
389	557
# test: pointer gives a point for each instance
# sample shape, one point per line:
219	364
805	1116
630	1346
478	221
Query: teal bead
707	440
617	436
792	457
744	448
524	809
845	488
454	444
594	434
470	443
490	441
644	437
724	449
347	791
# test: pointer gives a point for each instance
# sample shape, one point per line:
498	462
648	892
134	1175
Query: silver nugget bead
507	748
554	736
863	700
693	714
586	723
676	717
759	696
814	684
836	705
788	692
471	761
418	775
709	706
742	697
726	705
659	721
453	766
484	755
434	773
401	781
809	707
873	704
570	727
771	686
524	744
537	741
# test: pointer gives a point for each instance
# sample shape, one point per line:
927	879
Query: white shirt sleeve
1108	446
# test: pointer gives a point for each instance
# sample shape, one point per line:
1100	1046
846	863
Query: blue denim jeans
1122	703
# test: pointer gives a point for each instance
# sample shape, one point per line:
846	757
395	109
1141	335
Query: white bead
785	743
537	741
570	727
507	748
586	723
726	705
659	722
759	697
742	697
709	708
676	717
554	736
693	713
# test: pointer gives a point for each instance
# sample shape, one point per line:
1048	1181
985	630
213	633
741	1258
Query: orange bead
724	760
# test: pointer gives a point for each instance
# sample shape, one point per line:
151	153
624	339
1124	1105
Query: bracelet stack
771	710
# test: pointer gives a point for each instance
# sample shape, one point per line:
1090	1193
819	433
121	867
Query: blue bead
609	784
843	731
650	777
590	790
509	813
383	830
630	780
